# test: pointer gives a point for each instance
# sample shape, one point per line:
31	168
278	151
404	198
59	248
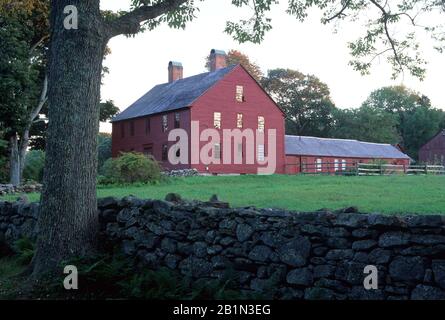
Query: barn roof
172	96
312	146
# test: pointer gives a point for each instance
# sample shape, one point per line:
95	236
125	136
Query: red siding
221	98
433	152
294	163
156	138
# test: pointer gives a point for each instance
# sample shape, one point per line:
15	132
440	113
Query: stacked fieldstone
18	219
181	173
280	254
26	188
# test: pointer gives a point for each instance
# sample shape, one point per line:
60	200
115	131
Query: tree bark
68	219
14	160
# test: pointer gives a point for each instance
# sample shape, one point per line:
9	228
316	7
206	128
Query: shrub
24	249
34	163
129	168
4	169
116	276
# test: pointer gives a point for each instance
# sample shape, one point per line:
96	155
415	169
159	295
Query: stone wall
280	254
6	189
181	173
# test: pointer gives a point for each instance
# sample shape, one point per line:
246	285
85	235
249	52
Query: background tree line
24	38
395	114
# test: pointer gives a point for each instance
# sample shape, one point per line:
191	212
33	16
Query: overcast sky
137	64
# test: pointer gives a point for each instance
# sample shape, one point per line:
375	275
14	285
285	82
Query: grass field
386	194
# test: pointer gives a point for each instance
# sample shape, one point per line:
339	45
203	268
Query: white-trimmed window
239	93
261	123
164	122
319	164
336	164
239	120
177	120
343	164
164	152
260	155
217	151
217	120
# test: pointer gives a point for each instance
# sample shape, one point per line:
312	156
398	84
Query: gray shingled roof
300	145
172	96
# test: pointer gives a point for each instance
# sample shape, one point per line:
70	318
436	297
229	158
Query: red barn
323	155
227	100
433	152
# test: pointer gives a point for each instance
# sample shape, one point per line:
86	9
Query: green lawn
387	194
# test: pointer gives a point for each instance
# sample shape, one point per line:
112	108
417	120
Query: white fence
372	169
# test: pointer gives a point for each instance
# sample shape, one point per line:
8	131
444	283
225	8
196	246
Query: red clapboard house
324	155
433	152
227	97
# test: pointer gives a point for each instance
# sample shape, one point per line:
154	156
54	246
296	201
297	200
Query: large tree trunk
24	143
14	161
68	219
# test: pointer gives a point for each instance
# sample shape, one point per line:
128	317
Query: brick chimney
217	60
174	71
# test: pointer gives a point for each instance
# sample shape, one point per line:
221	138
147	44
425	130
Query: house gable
244	78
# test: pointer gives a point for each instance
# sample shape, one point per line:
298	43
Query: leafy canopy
365	124
381	20
304	99
416	120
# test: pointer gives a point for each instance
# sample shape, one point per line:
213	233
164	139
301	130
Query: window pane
147	126
261	123
319	164
164	122
260	155
148	150
217	151
164	152
217	120
239	93
177	120
239	120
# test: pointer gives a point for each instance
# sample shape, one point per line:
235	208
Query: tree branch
130	23
43	97
338	14
385	17
35	45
